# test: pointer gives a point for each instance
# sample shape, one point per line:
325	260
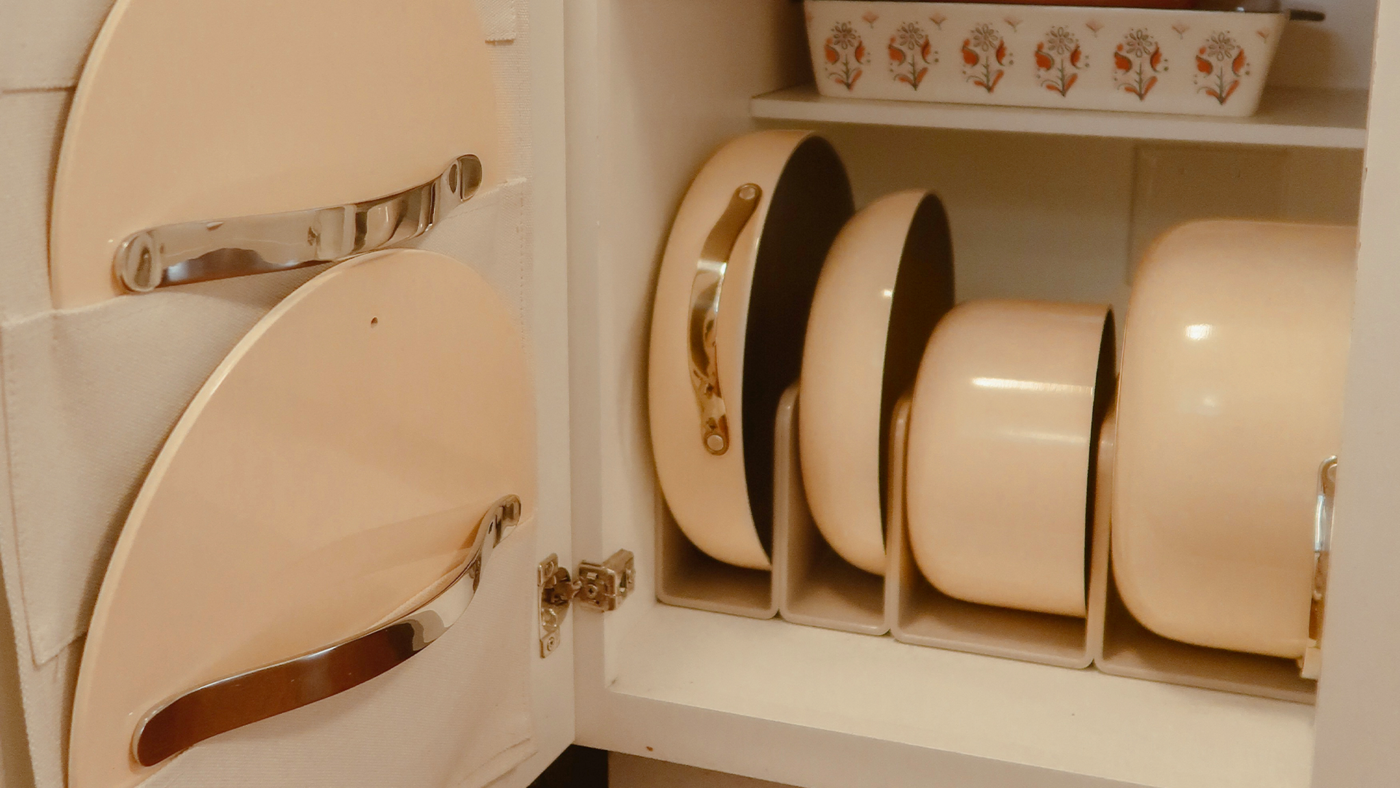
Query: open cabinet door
329	574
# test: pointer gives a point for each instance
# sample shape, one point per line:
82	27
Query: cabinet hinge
600	587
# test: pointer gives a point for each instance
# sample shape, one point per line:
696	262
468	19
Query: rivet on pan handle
178	254
1311	663
229	703
705	293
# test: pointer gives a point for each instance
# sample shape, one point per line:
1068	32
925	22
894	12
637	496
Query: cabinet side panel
1358	715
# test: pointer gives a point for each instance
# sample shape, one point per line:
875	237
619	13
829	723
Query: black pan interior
810	204
923	293
1105	391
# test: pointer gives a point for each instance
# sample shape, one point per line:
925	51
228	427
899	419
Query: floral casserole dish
1125	59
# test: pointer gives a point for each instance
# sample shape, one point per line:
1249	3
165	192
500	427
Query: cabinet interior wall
1033	216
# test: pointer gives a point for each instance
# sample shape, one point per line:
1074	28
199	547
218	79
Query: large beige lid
198	110
333	468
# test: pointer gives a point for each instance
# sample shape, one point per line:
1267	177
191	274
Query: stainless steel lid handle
235	701
1311	663
705	293
178	254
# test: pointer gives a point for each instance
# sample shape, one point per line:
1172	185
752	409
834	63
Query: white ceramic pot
1231	398
886	282
1002	442
1126	59
731	307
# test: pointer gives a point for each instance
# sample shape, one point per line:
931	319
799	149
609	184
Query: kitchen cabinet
627	100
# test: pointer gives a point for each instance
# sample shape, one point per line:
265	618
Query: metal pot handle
232	702
705	292
177	254
1311	663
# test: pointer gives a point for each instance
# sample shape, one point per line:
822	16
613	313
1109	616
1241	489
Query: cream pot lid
211	110
886	282
731	309
332	470
1002	442
1231	398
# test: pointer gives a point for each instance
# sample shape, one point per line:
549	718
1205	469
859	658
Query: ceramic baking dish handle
1311	663
243	699
178	254
705	292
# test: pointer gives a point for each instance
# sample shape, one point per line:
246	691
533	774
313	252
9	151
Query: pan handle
1311	663
235	701
705	292
177	254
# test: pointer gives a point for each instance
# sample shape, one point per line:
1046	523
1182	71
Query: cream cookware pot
1003	439
731	309
886	281
1234	358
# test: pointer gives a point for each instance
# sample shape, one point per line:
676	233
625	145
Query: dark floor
577	767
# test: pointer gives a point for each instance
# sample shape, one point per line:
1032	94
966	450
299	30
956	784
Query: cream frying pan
886	282
1231	402
727	328
1003	440
321	512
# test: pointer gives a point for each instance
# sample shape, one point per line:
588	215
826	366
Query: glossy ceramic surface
1124	59
723	501
1231	397
196	110
861	354
1003	421
328	477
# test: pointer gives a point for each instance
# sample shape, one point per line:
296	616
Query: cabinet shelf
1303	117
991	721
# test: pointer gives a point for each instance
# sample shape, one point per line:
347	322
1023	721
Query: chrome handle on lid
232	702
178	254
705	293
1311	663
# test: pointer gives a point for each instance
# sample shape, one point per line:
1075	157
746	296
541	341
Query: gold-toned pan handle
705	293
235	701
1311	663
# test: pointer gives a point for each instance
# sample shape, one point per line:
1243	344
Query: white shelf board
819	708
1306	117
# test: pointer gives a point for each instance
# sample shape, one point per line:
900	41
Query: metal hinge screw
600	587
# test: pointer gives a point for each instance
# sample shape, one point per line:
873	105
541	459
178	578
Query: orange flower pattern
1137	62
1175	62
1058	60
1220	62
911	54
985	57
845	55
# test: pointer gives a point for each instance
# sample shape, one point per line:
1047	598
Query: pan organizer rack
809	584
